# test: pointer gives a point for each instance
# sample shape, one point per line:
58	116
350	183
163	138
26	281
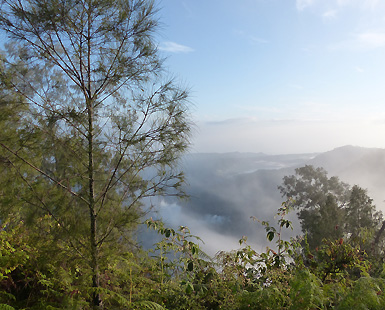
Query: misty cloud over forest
227	189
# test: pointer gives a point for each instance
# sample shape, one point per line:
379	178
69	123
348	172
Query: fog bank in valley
226	189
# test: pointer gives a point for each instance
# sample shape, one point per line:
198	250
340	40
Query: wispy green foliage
102	128
330	209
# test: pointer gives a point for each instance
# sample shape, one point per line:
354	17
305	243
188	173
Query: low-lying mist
225	190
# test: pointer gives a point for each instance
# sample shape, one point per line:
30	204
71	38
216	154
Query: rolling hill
227	189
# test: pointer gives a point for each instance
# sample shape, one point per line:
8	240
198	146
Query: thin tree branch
44	174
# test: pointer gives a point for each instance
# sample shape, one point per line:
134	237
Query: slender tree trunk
93	216
92	209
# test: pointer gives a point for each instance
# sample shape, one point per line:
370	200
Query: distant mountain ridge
226	189
237	163
338	159
357	165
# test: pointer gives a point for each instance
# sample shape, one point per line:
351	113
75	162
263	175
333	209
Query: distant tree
310	187
329	208
103	130
361	215
319	201
325	222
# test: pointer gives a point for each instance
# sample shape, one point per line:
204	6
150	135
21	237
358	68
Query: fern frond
6	307
204	255
145	304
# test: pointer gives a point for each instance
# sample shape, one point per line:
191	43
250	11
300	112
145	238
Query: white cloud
295	86
173	47
174	215
335	4
307	49
359	69
361	42
371	39
330	14
257	40
372	4
286	136
302	4
344	2
251	38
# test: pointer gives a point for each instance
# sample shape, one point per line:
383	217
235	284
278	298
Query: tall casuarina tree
111	128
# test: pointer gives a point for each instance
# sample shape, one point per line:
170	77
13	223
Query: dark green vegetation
90	132
343	273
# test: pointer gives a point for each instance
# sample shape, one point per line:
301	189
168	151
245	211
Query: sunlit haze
279	76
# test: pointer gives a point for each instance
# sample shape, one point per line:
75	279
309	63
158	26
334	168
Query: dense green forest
91	134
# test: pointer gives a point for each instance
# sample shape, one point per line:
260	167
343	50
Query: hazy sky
279	76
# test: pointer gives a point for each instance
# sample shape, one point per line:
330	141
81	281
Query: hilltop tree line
91	132
331	209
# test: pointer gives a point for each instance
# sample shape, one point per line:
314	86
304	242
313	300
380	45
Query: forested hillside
225	190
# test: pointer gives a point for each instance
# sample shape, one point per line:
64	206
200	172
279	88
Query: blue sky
279	76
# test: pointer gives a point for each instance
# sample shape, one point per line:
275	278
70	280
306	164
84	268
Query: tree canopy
101	128
330	209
